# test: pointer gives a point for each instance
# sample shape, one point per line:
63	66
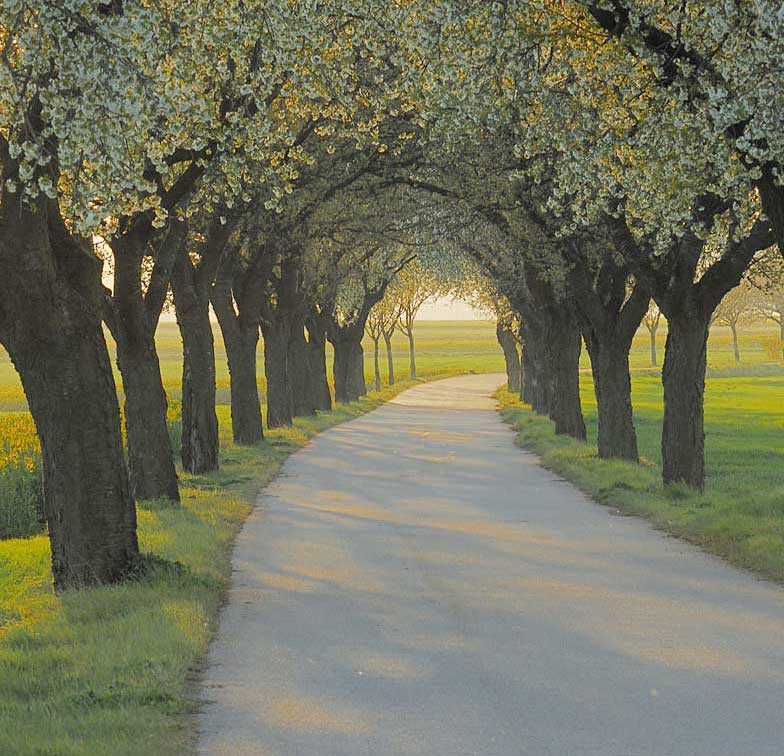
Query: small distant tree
772	308
737	305
651	319
412	288
382	322
767	277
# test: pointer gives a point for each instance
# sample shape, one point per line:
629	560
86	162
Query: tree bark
317	363
376	365
617	438
508	344
280	404
654	357
683	377
240	337
391	363
50	323
303	391
734	329
564	351
538	376
349	369
191	285
150	456
200	445
526	375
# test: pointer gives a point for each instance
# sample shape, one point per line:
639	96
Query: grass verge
744	525
109	670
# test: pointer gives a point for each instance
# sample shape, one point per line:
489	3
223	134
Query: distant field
442	346
447	347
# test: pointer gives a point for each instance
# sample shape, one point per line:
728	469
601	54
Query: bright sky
450	309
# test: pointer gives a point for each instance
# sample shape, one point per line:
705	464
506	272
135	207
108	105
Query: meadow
111	670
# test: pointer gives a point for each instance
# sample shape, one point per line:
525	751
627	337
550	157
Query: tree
767	277
192	277
651	320
359	291
374	328
737	304
412	287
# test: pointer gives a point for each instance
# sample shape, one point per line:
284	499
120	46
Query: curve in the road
413	583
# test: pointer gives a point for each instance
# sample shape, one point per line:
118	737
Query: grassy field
741	514
108	670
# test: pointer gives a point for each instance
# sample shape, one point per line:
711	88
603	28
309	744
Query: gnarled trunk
50	324
241	338
303	392
683	377
617	438
317	363
279	397
508	344
526	375
150	456
538	376
564	352
349	369
200	445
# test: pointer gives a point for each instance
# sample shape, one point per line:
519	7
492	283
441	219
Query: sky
450	309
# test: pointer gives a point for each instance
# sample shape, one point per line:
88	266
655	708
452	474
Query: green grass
110	670
740	516
107	671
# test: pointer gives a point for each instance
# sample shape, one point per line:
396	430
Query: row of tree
282	163
397	311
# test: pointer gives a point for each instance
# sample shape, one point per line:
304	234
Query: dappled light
383	595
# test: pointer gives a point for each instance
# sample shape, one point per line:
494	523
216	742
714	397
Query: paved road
415	584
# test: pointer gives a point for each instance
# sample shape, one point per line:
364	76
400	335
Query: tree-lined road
413	583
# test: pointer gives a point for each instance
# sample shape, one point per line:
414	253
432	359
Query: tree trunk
279	397
241	340
317	363
391	363
411	354
734	329
683	377
150	456
375	364
654	357
526	376
50	323
508	344
617	438
200	446
521	368
303	394
349	370
781	337
538	370
564	350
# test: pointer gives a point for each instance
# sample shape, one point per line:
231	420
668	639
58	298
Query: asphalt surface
413	583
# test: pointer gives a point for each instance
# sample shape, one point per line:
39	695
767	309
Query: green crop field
107	670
